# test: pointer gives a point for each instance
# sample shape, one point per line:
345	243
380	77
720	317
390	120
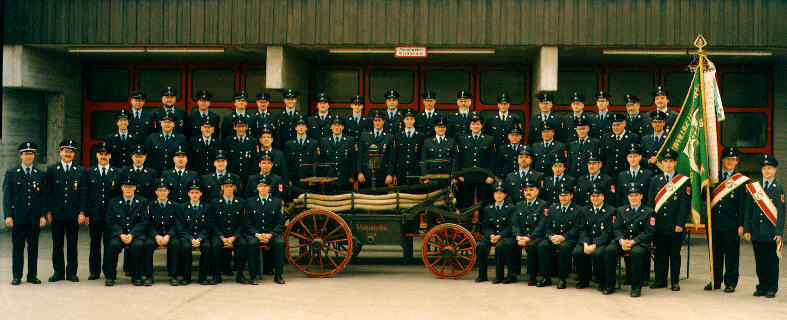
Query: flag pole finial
700	42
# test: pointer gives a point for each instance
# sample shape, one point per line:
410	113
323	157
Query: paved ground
377	286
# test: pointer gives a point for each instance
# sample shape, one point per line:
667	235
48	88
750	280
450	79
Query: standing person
515	180
227	230
356	123
406	154
24	209
476	150
161	146
211	182
562	223
265	119
287	117
179	177
137	171
380	143
613	146
140	123
265	225
536	121
301	152
594	179
193	222
281	165
651	143
495	220
600	123
661	100
424	121
595	233
392	116
196	119
500	125
728	204
547	148
552	184
577	114
102	186
121	142
459	121
168	98
636	122
67	203
634	173
507	153
162	232
320	123
203	147
127	222
528	227
265	163
439	151
241	150
228	122
670	198
341	151
580	148
763	225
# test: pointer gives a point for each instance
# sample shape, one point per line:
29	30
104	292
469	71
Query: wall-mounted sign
410	52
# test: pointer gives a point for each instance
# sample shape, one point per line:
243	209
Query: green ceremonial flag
687	137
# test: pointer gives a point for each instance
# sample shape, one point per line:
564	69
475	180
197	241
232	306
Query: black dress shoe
729	289
73	278
136	282
174	282
561	284
242	279
217	279
709	287
16	282
204	282
33	280
55	278
92	277
184	282
481	279
759	293
608	291
510	280
148	282
278	279
497	281
675	287
658	286
533	281
214	281
770	294
645	283
109	282
254	281
582	285
601	288
544	282
635	293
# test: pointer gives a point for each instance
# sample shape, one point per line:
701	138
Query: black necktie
180	173
765	185
103	172
300	141
522	175
27	171
336	140
128	203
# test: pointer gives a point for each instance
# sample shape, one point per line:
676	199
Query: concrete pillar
284	69
544	73
55	124
778	129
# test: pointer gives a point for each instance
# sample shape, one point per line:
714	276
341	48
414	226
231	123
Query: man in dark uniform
140	173
546	148
287	117
266	144
320	123
241	150
228	122
203	147
507	153
179	177
634	173
425	120
501	124
265	161
594	179
670	198
342	151
528	227
379	143
24	209
595	233
580	148
661	100
406	154
763	225
162	232
161	146
265	119
196	119
728	204
101	188
121	142
515	180
496	226
127	222
633	227
459	121
536	121
393	118
300	152
636	122
228	228
439	151
265	225
475	150
356	123
140	123
577	112
66	205
193	223
210	183
651	143
561	229
556	179
168	98
601	122
614	145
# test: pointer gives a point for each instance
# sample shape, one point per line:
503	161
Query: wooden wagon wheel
448	250
319	243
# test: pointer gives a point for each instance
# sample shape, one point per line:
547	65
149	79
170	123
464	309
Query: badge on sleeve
652	221
546	210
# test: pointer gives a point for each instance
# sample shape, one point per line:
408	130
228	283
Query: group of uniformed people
194	181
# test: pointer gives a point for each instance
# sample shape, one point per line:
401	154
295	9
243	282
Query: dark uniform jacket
298	155
600	125
264	218
193	125
458	125
128	219
160	152
24	197
636	225
613	151
162	219
584	186
393	125
287	124
567	224
506	160
498	129
651	146
121	149
241	155
728	213
639	125
528	220
425	124
180	118
755	221
356	128
475	153
445	150
549	189
569	129
265	119
596	227
193	222
675	210
100	190
343	154
384	143
319	127
228	126
141	127
67	191
544	155
278	189
497	222
406	155
211	186
228	217
144	178
514	184
577	156
624	177
534	131
201	154
672	115
179	192
281	165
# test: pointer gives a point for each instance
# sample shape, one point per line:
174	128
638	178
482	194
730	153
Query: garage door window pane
107	84
744	89
382	80
495	82
446	83
220	82
744	130
154	79
678	83
255	82
340	84
640	83
570	81
102	124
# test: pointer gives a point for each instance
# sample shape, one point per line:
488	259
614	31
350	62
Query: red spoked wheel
319	243
448	250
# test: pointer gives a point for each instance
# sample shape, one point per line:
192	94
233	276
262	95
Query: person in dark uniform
162	232
601	123
515	180
501	124
320	123
137	171
580	148
228	122
203	147
438	152
356	123
287	117
265	119
558	178
342	151
545	150
193	222
300	152
424	121
161	146
379	143
636	122
140	122
764	226
670	197
475	150
24	210
594	179
66	205
265	161
507	153
265	225
634	173
633	228
179	177
241	150
528	230
561	229
168	98
393	118
210	183
577	112
101	188
595	233
227	230
728	204
614	145
661	100
496	226
127	223
406	154
651	143
266	144
196	119
536	121
120	143
459	121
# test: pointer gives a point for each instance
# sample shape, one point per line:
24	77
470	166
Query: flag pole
700	43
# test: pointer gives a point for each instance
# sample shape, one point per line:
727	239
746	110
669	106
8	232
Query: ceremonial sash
669	189
763	201
727	186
